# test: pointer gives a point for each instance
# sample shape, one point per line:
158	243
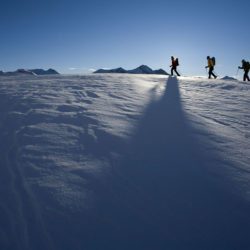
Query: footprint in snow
69	108
92	94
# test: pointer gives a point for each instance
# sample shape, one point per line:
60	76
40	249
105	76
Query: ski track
59	133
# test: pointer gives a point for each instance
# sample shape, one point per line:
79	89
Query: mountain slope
124	162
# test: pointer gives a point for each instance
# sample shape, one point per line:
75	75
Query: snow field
124	162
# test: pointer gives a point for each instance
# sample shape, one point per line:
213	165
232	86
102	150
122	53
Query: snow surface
124	162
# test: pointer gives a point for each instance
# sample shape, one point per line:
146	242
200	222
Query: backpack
213	60
247	65
176	62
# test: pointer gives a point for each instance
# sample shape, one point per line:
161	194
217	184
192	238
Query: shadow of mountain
161	195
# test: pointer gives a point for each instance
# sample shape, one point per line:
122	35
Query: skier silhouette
245	66
210	65
175	63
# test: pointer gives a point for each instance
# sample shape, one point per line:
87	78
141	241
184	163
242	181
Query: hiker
210	65
246	68
175	63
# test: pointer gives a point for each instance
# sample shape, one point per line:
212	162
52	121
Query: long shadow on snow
161	196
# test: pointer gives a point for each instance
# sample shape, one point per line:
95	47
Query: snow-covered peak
29	72
116	70
143	69
44	72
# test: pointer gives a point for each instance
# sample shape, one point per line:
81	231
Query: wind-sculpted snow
124	162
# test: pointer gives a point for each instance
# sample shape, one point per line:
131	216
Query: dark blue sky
84	34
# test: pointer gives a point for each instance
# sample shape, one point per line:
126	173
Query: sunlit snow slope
124	162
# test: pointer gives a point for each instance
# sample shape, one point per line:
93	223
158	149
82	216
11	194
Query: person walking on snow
175	63
210	65
246	67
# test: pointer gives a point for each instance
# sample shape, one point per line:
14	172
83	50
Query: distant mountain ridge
29	72
143	69
44	72
117	70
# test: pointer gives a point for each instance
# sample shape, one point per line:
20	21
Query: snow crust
124	162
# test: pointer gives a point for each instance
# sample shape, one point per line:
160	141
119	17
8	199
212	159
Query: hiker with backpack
210	65
246	68
175	63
